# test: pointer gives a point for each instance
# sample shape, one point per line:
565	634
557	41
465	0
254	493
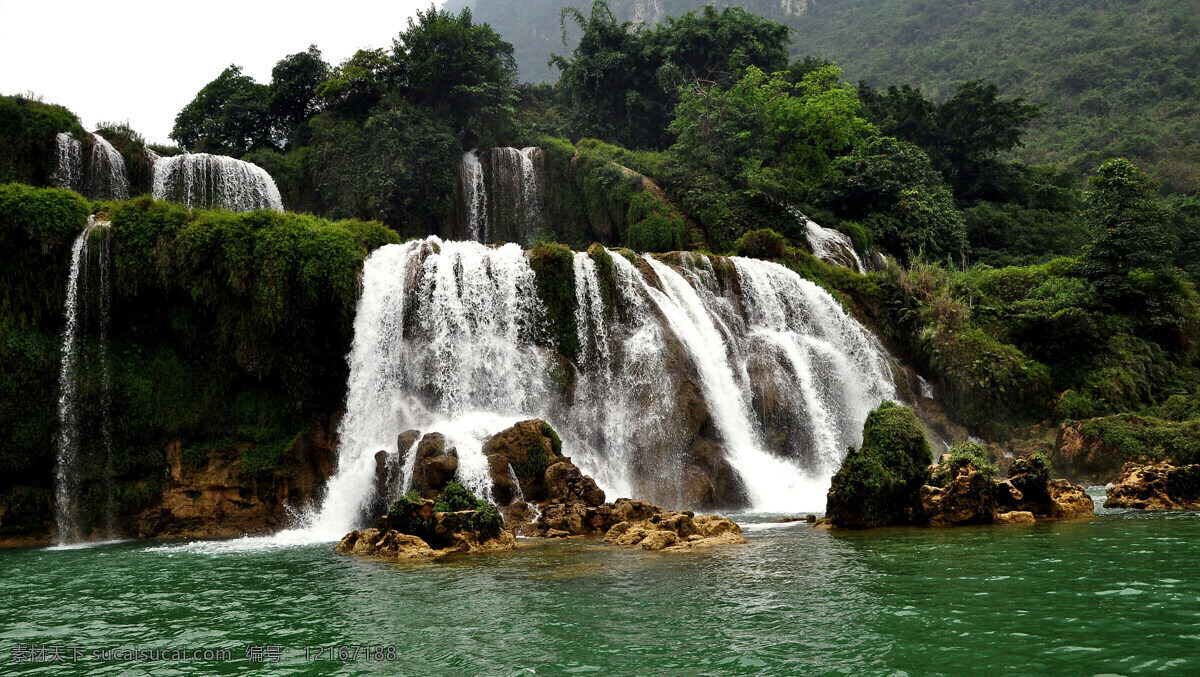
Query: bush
961	455
761	244
878	484
28	128
1030	475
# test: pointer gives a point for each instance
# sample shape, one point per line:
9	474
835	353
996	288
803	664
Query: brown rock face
529	449
565	483
435	465
966	499
1081	458
675	532
223	498
1156	486
971	498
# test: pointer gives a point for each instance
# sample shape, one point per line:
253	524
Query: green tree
623	83
358	83
230	115
892	187
462	70
294	82
1130	257
765	133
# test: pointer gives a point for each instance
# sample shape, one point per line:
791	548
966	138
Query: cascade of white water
531	189
474	193
447	340
68	163
106	177
829	245
200	180
68	479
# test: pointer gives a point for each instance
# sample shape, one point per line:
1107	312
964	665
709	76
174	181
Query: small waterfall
200	180
447	339
68	164
502	195
69	444
474	193
106	175
830	245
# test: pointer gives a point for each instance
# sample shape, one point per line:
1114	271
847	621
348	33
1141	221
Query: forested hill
1115	78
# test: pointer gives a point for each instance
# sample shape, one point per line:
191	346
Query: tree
462	70
767	134
358	83
294	82
892	187
1130	257
964	135
229	115
623	82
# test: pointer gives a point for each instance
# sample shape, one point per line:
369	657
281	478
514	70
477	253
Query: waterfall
830	245
68	473
474	193
106	175
502	195
68	165
200	180
764	363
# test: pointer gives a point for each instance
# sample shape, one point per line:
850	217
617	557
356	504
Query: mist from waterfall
76	364
447	339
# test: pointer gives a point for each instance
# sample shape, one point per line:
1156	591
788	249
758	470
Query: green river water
1115	594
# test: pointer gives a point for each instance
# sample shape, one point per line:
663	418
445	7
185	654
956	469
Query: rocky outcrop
518	458
973	497
1085	458
1156	486
396	546
673	531
435	465
419	527
224	497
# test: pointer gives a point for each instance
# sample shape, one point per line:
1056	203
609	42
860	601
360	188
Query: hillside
1113	78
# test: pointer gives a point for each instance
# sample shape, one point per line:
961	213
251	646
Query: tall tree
230	115
294	82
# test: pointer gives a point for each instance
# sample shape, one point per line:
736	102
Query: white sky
141	62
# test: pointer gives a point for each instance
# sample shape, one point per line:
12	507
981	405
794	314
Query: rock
673	531
564	483
966	499
1014	517
557	533
405	440
1068	501
435	465
1086	459
1156	486
525	451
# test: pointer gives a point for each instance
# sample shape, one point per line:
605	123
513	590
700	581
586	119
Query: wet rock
1014	517
435	465
675	531
1156	486
565	483
524	451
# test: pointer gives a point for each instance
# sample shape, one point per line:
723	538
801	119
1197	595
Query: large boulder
1156	486
522	454
1081	456
435	466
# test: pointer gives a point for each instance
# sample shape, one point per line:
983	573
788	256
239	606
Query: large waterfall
200	180
687	364
86	310
502	195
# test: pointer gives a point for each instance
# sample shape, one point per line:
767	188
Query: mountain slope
1114	77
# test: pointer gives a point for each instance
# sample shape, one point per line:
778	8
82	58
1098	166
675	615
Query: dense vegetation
225	328
1113	78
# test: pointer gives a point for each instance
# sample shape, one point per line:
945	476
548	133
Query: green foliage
462	71
1030	475
622	81
293	90
761	244
1136	436
37	227
555	440
604	271
229	116
963	454
878	483
400	166
891	186
28	128
406	517
456	497
554	276
654	226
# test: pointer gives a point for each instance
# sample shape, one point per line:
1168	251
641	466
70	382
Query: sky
141	62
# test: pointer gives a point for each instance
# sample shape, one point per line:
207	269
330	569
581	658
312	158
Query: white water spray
200	180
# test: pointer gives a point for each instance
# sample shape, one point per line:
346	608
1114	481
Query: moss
961	455
555	441
878	483
1135	436
554	276
1030	475
653	225
535	463
604	271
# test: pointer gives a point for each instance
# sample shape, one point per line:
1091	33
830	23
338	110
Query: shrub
761	244
1030	474
961	455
